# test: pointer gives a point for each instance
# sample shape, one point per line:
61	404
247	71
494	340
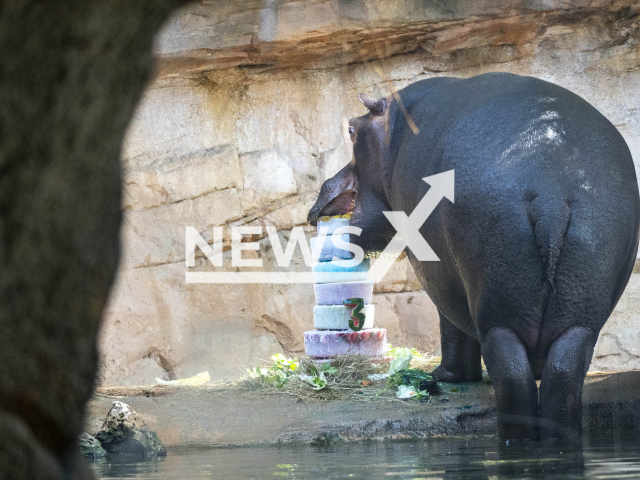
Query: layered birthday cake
343	317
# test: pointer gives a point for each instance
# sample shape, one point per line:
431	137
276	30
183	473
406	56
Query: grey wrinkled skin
538	246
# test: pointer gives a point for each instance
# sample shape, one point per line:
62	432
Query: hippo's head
359	188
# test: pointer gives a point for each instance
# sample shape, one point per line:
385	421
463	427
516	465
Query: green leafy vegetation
278	374
402	352
400	363
422	382
316	377
343	376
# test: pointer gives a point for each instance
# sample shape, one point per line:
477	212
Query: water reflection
605	456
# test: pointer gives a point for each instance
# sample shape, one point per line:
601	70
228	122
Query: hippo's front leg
460	355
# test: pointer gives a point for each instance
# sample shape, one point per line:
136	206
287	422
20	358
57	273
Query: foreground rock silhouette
70	78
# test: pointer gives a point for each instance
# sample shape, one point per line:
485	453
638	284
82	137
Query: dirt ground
233	415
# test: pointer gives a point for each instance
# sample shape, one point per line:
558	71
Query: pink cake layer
328	343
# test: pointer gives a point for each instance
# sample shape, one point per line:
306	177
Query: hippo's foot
445	375
442	374
461	356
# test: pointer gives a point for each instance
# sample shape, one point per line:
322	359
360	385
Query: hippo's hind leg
514	384
561	387
590	277
461	357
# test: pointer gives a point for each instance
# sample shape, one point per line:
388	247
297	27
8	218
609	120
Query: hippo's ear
376	107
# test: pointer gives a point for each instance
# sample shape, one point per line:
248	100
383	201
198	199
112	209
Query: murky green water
610	456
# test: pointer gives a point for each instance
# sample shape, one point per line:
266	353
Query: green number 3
356	322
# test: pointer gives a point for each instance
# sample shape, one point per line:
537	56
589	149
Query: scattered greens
344	374
409	392
278	374
411	382
399	364
316	379
422	382
328	369
402	351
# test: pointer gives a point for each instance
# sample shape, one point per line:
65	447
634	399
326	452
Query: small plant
279	373
283	363
316	377
328	369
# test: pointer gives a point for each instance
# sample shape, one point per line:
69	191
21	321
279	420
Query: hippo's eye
352	131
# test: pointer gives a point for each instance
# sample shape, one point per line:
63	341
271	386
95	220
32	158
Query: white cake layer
329	343
331	223
329	250
337	293
336	317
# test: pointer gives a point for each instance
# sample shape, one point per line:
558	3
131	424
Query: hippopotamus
536	249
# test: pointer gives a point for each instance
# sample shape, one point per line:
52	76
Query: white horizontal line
250	277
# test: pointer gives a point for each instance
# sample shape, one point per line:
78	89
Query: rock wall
244	121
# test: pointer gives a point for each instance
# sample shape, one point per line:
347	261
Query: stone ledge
321	33
225	416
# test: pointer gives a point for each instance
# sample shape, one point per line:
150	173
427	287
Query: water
609	456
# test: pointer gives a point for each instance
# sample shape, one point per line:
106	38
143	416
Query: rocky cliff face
244	121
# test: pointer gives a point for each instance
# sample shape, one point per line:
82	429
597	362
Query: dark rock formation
121	434
90	447
70	77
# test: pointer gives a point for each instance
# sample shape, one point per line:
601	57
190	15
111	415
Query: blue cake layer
337	293
329	272
332	223
329	250
336	317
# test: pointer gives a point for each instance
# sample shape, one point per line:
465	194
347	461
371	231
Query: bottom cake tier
328	343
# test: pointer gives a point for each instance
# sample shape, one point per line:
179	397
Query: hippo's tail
550	219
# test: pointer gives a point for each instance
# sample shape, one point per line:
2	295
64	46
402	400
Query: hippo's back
500	124
544	230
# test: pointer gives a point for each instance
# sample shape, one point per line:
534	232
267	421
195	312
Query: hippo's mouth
341	205
337	196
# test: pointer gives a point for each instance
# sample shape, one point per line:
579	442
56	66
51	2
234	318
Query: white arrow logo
408	227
